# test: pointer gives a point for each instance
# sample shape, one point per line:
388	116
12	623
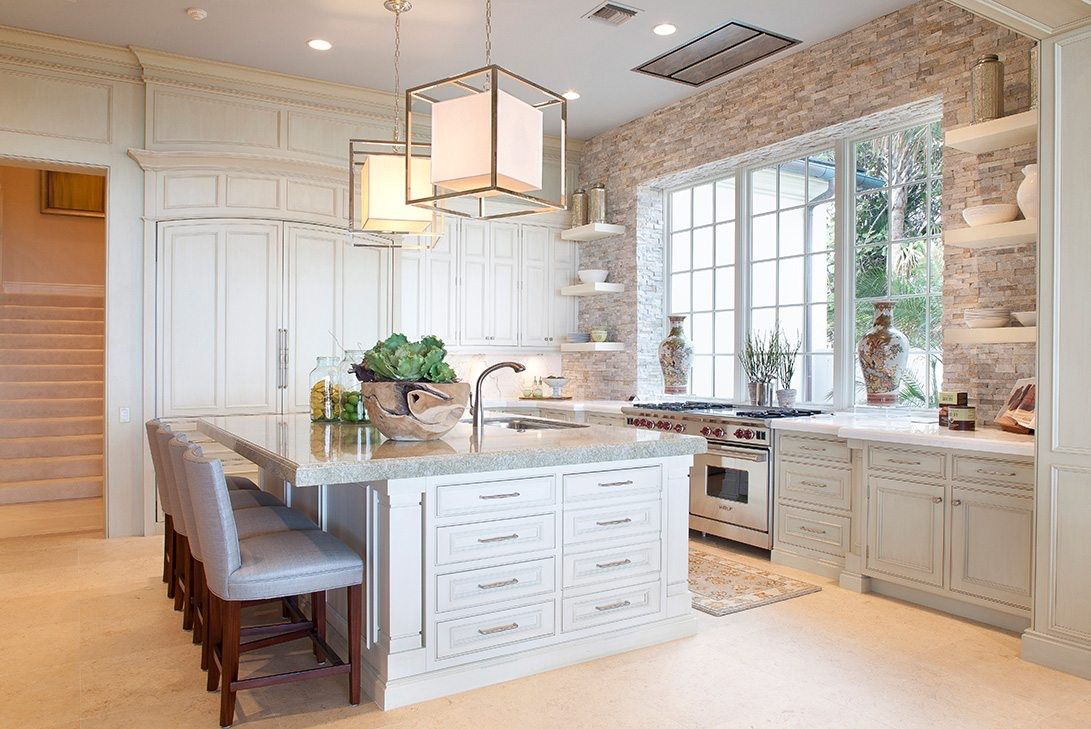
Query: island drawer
920	463
621	483
823	448
615	563
615	521
826	533
609	606
472	588
1010	473
814	484
491	496
500	538
504	627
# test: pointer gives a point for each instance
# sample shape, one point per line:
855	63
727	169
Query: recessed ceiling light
197	13
319	45
664	29
571	95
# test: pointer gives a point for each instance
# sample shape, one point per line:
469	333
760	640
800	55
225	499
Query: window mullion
742	275
844	370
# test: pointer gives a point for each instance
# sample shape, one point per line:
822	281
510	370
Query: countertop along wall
922	51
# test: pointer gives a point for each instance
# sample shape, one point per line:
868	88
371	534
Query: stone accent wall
916	58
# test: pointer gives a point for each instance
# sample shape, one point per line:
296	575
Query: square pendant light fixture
378	214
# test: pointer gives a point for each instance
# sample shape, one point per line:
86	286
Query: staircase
51	397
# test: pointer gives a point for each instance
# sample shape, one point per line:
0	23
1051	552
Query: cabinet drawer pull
956	502
905	463
989	472
609	484
812	449
812	531
498	629
614	522
815	484
618	563
501	583
505	538
937	499
512	495
613	606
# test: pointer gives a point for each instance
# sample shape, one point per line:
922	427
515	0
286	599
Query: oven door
731	485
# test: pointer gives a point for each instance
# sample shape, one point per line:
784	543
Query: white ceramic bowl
1026	318
990	214
593	275
987	322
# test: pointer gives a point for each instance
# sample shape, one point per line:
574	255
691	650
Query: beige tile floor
89	640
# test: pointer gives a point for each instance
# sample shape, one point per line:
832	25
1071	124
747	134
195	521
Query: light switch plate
123	415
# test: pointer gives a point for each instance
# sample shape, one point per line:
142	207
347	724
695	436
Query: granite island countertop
310	454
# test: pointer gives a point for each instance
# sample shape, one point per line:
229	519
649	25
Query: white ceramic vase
1027	194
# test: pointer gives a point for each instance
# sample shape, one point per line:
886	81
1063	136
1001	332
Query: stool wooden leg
214	642
318	617
168	547
355	624
181	559
187	593
197	598
230	671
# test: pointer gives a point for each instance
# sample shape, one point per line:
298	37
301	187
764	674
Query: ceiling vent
716	53
612	13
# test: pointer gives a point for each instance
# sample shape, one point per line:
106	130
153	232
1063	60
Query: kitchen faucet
477	408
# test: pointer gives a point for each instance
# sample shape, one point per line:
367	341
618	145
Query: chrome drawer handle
498	629
905	463
813	450
619	563
608	484
812	531
937	499
989	472
613	606
502	583
505	538
614	522
815	484
512	495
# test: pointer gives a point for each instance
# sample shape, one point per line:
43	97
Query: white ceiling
544	40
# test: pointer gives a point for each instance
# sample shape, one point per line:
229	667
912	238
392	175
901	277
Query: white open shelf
995	134
998	335
593	231
997	235
592	289
592	347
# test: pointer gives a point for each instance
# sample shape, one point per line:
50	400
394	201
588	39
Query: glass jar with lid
352	399
325	383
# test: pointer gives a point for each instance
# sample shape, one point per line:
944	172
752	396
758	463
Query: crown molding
54	52
156	161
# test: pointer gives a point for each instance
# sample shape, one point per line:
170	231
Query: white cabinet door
992	537
905	529
503	284
218	314
425	296
411	293
536	301
476	299
565	262
365	296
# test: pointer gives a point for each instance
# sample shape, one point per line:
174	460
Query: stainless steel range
731	486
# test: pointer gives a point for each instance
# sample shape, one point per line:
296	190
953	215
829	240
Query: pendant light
378	213
488	142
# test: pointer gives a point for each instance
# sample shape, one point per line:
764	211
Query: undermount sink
522	425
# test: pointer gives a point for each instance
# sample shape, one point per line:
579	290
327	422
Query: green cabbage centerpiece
396	359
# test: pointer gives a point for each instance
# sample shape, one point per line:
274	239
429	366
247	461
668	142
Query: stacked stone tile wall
916	58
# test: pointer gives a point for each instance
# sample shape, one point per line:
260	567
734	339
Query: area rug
723	586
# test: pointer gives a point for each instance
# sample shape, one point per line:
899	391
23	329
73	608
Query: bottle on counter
325	381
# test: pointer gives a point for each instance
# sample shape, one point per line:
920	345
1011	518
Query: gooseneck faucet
477	407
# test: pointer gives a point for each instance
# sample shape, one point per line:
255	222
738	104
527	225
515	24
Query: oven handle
744	455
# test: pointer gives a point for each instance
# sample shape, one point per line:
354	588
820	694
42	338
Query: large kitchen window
779	246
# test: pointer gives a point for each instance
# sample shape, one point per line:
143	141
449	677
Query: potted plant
759	361
787	354
409	391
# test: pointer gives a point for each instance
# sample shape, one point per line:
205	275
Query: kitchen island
490	554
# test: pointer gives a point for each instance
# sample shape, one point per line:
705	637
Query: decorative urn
884	354
676	358
415	411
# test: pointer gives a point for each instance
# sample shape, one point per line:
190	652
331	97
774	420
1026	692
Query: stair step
95	302
49	390
45	427
50	447
50	408
51	356
51	341
51	373
33	469
24	311
52	489
49	326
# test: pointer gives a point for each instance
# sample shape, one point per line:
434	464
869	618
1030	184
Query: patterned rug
723	586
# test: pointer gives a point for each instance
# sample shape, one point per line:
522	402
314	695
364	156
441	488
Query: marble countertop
612	407
309	454
906	431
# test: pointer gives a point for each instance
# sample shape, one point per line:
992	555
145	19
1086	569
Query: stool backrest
163	437
215	519
175	450
153	427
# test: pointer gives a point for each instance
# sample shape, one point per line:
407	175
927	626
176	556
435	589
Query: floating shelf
998	335
593	231
592	347
592	289
995	134
997	235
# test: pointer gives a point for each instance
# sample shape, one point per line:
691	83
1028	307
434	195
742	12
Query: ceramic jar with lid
987	88
596	204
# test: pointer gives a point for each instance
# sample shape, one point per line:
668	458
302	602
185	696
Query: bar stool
270	566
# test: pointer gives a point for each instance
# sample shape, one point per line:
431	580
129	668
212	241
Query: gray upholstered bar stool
266	567
251	522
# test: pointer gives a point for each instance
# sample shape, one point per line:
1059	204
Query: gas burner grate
777	413
686	406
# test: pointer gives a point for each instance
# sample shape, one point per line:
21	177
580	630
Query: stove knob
663	425
748	434
679	428
719	432
740	433
706	431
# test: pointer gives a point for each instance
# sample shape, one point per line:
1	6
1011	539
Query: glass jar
325	383
987	82
352	399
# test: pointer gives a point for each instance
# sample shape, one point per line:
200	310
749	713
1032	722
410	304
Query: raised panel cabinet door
992	538
905	529
535	295
474	281
411	292
365	292
564	265
503	292
313	316
441	314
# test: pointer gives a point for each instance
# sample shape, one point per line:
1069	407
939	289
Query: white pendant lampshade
462	153
382	195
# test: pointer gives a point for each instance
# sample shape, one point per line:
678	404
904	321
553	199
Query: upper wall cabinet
425	299
549	264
